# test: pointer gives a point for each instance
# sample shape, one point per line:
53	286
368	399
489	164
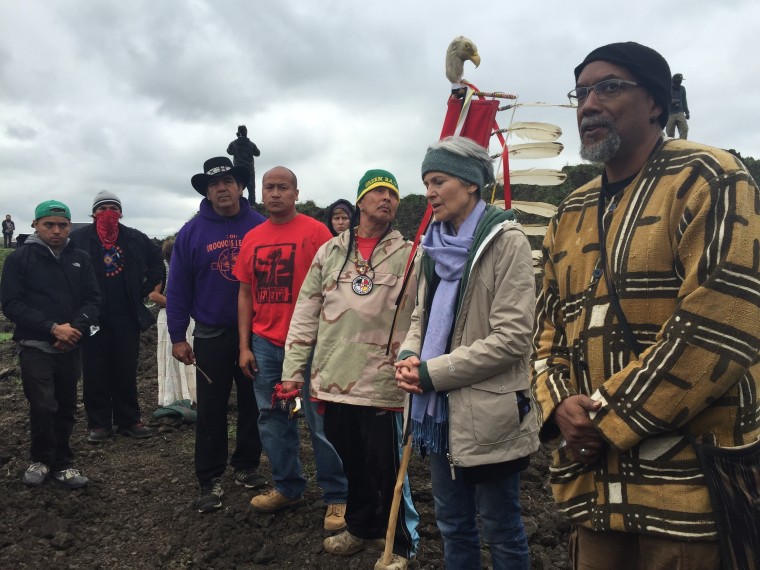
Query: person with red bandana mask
128	266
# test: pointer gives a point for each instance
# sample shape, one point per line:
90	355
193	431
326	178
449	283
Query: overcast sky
133	96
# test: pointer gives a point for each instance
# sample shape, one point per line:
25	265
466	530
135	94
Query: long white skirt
176	381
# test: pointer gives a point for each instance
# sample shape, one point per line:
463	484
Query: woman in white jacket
467	367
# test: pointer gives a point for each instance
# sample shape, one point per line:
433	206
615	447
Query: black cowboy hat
215	167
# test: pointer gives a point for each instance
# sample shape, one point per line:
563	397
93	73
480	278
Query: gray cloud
134	96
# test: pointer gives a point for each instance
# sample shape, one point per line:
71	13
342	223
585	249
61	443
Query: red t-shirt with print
274	260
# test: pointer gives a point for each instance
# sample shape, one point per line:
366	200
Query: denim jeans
498	502
279	433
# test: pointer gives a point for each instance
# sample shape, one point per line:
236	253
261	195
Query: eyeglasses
607	89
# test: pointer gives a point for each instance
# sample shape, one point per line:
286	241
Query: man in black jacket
678	110
128	266
50	292
243	150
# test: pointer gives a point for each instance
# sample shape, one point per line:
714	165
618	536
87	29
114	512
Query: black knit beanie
649	67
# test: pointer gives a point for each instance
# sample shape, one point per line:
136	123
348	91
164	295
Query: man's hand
408	375
66	334
183	352
289	386
687	116
247	363
581	436
63	346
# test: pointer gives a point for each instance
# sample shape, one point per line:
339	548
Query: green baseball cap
52	208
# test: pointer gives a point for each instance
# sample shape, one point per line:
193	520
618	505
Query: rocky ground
138	510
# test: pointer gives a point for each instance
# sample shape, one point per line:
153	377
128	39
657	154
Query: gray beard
604	150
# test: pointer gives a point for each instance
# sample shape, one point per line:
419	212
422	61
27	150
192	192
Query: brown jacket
683	250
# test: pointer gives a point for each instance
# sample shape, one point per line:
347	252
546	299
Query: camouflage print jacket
350	362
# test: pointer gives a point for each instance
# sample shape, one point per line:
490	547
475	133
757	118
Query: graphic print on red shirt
273	266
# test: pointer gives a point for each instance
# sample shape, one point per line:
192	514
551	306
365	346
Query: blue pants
498	502
279	433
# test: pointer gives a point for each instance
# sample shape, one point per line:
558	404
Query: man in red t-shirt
271	266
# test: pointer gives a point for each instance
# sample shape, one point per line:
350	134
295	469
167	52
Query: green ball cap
374	178
52	208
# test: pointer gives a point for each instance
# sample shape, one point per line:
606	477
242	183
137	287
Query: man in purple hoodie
201	285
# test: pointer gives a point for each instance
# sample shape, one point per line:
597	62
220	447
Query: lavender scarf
449	251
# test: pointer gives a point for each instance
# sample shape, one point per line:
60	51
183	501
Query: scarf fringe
432	434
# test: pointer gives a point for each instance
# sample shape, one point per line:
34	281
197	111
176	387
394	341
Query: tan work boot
334	516
273	501
346	544
397	563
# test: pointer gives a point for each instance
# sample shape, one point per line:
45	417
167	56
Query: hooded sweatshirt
201	283
345	205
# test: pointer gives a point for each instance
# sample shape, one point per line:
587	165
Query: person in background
50	292
271	267
243	150
128	266
203	288
679	109
344	312
465	359
176	381
647	324
338	216
9	227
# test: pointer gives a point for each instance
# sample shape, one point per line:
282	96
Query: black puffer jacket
38	290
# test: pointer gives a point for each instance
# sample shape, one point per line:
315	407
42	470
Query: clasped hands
408	375
66	337
572	416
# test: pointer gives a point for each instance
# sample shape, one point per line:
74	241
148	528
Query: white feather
535	150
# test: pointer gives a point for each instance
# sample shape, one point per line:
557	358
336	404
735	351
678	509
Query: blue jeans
279	433
456	506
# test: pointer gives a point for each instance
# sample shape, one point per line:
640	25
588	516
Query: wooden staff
390	534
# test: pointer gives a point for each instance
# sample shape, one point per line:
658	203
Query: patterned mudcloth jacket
683	249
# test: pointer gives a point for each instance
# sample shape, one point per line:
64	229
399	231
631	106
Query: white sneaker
70	478
35	474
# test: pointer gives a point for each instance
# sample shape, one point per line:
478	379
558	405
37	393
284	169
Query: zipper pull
451	466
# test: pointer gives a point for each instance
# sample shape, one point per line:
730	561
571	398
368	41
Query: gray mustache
587	122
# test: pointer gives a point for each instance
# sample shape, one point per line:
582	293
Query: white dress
176	381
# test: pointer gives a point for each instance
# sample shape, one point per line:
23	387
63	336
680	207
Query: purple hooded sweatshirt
200	281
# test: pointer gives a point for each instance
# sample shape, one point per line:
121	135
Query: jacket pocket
494	411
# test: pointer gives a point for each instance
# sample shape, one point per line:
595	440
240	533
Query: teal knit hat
374	178
466	168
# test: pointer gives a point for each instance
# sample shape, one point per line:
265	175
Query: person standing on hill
201	286
679	109
50	292
128	266
243	150
8	228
